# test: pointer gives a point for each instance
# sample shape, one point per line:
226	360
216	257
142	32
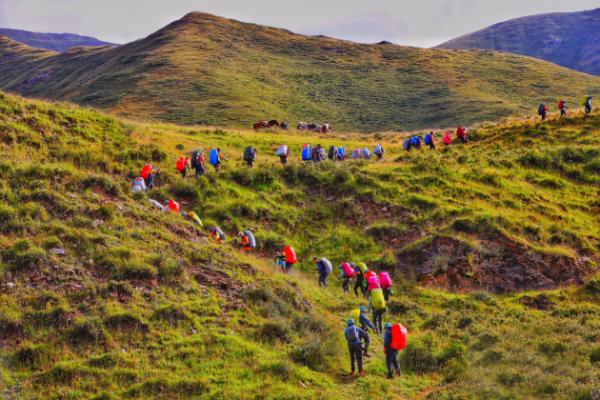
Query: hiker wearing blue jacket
324	267
365	325
391	355
430	141
354	336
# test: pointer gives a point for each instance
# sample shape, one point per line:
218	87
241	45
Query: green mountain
104	297
52	41
204	69
568	39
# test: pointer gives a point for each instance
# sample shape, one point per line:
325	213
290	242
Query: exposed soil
497	266
229	288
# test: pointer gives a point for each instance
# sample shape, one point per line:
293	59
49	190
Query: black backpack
194	158
249	154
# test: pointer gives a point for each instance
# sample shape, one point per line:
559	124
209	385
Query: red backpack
181	164
399	337
561	104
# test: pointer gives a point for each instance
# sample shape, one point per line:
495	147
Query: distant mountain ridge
58	42
568	39
208	70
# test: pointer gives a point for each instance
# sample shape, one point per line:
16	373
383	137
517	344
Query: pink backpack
348	270
385	280
373	283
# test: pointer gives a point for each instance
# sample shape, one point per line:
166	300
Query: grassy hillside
52	41
568	39
141	305
208	70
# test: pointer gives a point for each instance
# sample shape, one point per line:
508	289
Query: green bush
595	355
87	333
24	255
314	351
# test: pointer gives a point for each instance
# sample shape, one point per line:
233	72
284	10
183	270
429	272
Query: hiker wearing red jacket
391	354
562	107
182	165
461	134
447	139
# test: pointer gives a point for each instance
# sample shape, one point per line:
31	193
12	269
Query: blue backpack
342	152
428	140
306	153
415	141
406	145
213	157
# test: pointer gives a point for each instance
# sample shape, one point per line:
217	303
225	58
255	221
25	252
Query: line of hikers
416	141
562	107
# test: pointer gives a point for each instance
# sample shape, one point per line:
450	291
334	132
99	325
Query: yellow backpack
377	299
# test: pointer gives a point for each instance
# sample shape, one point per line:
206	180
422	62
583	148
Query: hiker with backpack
386	285
149	173
354	336
415	141
347	273
360	270
332	154
365	325
378	151
587	104
447	139
324	267
182	165
543	111
318	154
283	152
139	185
216	158
217	234
287	259
250	155
461	134
247	240
390	347
198	161
377	302
562	107
430	141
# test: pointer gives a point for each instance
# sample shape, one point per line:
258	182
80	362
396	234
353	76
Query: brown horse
266	124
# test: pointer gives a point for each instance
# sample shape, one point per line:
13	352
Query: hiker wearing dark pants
359	284
365	325
324	267
354	336
378	320
391	355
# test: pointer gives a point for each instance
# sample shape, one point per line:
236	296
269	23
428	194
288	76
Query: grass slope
143	306
204	69
568	39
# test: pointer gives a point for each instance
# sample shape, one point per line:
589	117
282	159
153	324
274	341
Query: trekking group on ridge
562	107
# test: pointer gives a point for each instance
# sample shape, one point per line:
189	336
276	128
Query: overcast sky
420	23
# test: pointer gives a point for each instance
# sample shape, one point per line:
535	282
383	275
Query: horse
266	124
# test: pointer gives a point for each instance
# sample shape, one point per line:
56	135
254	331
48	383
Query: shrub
170	389
90	332
419	357
595	355
24	255
57	317
126	322
275	331
313	352
103	183
535	159
172	314
30	356
384	231
279	369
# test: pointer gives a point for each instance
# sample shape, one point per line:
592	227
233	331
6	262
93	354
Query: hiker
365	154
365	325
430	141
324	267
377	302
391	354
347	273
386	285
139	185
461	134
332	154
283	152
149	173
247	240
216	158
217	234
406	144
360	278
173	206
378	151
250	155
288	259
447	139
415	141
198	163
318	154
354	336
182	165
562	107
588	104
194	217
341	153
543	111
307	153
